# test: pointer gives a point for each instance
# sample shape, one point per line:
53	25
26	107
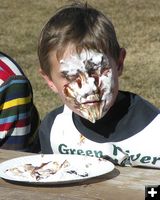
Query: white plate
80	168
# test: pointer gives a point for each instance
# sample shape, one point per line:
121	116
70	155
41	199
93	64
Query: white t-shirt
129	133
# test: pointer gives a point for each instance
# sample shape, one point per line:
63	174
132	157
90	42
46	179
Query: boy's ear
121	61
48	81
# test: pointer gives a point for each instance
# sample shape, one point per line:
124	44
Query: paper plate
54	168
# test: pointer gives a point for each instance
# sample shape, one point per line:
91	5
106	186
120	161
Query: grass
137	26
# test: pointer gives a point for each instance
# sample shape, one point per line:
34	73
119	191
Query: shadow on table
114	173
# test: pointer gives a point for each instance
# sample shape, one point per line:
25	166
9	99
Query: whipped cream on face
90	90
76	63
72	65
87	87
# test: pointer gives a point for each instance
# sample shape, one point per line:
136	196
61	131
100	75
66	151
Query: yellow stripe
15	102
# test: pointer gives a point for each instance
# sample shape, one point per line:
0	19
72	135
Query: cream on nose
87	84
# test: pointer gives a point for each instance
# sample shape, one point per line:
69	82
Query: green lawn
137	23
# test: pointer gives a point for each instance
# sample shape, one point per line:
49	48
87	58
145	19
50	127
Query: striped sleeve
19	118
15	108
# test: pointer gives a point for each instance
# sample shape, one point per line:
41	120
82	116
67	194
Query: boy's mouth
90	99
91	102
91	110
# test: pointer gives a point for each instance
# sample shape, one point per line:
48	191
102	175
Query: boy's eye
105	70
69	77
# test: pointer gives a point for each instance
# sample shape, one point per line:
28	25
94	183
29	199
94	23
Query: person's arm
19	119
16	105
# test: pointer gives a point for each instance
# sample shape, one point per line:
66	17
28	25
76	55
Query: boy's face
87	82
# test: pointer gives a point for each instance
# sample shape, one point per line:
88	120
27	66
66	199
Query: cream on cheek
90	85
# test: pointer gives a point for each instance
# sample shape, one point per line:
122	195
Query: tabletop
122	183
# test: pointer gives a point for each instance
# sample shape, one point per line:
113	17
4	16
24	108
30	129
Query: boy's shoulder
138	102
58	113
50	117
140	113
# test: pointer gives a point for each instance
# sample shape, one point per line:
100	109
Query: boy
81	60
19	119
